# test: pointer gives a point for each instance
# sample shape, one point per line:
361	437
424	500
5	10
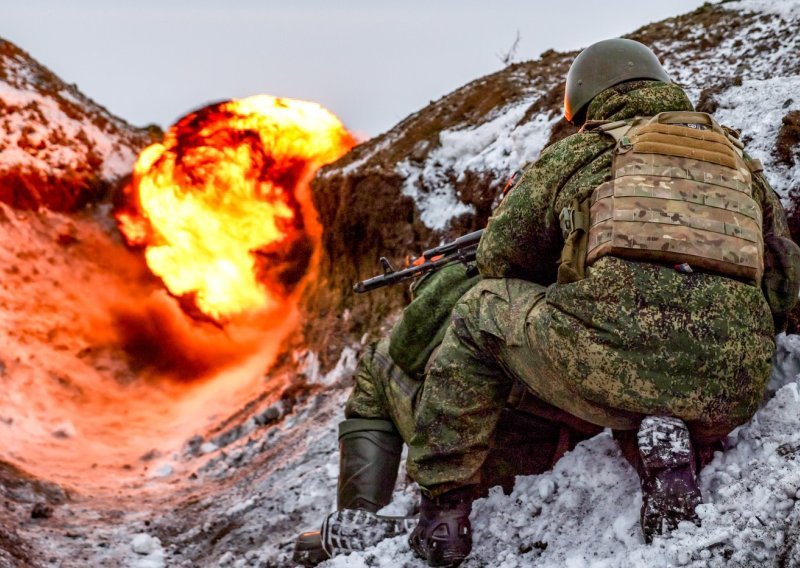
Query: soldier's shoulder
577	145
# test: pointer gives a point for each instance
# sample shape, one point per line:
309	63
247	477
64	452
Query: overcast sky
370	62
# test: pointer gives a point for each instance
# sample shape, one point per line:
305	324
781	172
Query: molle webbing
684	142
679	194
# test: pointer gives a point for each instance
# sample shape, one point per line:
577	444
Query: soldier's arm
523	238
781	281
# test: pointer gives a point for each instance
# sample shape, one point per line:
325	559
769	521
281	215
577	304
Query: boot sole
351	530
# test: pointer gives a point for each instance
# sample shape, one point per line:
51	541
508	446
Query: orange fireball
222	205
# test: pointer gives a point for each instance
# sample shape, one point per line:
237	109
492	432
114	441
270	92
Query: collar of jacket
637	98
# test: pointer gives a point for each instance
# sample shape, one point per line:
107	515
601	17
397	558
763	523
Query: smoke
119	307
161	341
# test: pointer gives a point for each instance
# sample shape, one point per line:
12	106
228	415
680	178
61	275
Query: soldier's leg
370	446
464	394
462	398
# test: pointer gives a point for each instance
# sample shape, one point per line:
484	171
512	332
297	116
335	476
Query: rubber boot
667	472
369	456
443	536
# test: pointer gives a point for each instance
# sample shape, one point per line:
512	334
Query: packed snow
760	123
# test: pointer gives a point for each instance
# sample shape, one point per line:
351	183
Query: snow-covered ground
585	512
760	123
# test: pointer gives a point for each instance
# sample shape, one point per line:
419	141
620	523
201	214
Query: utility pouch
574	221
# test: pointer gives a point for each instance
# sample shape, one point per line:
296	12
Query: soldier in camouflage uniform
671	358
380	417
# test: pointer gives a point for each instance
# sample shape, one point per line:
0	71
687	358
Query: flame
222	205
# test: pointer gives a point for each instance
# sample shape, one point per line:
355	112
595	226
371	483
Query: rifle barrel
463	249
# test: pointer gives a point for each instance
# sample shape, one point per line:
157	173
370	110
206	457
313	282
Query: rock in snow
144	544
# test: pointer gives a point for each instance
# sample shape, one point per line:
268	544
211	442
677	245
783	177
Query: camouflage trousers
502	333
530	435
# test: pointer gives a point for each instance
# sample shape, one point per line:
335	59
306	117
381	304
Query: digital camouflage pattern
630	340
524	443
567	170
389	373
422	326
529	434
383	391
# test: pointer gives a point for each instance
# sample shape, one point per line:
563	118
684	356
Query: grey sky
372	63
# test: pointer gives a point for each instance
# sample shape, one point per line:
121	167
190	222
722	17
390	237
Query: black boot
669	481
443	536
369	455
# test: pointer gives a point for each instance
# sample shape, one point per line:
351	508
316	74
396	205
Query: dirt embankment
367	214
58	148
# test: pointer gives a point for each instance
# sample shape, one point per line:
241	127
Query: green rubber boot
369	456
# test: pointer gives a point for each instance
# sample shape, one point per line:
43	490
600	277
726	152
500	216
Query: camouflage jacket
426	318
523	238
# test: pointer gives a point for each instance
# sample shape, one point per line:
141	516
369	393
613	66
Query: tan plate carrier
681	192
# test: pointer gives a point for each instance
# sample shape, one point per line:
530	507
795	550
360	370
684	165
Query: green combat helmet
603	65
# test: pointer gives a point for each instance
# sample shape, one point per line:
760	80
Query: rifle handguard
463	250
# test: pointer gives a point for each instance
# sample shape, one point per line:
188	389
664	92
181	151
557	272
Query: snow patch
149	551
496	147
756	108
345	366
787	9
764	46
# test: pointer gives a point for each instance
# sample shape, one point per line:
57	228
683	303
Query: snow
149	551
760	123
496	147
787	9
164	470
42	119
585	512
58	132
762	46
144	544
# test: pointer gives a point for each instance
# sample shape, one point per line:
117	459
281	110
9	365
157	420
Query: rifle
462	249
